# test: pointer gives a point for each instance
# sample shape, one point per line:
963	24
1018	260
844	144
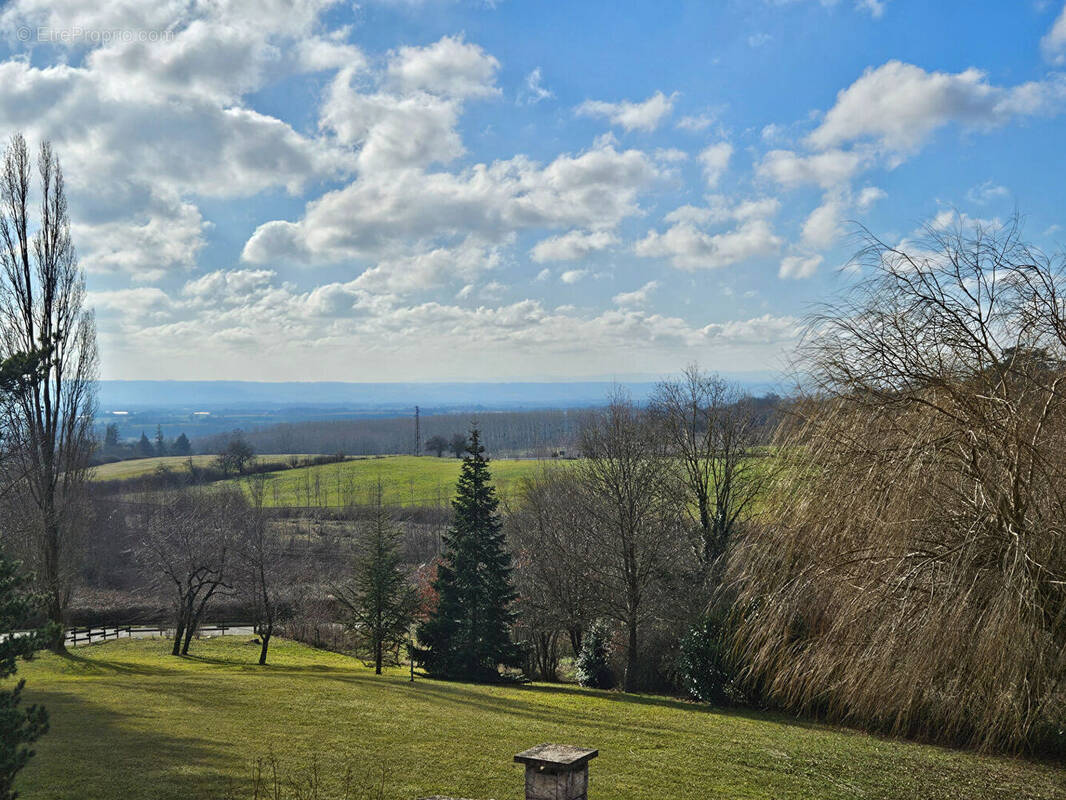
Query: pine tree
111	436
468	634
182	446
144	447
19	727
160	442
381	601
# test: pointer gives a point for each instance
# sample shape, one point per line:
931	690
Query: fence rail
100	633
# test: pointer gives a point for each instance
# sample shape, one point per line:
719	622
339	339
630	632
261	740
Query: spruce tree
381	601
160	442
182	446
144	447
468	634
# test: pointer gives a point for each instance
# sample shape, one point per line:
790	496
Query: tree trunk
179	629
576	635
378	655
631	682
265	636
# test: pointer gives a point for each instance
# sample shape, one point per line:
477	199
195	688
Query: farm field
130	721
405	480
138	467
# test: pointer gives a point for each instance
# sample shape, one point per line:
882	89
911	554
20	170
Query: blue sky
446	190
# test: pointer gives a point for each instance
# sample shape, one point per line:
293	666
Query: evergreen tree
381	600
111	436
181	446
144	447
594	660
160	442
19	727
468	634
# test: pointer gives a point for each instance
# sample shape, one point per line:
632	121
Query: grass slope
129	721
407	480
139	467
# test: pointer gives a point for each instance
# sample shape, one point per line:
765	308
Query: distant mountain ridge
211	395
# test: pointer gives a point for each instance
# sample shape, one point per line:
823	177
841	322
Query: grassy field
138	467
129	721
406	480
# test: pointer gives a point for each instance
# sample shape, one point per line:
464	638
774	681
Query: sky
464	190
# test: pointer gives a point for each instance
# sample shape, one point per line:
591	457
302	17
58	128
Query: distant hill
211	395
205	408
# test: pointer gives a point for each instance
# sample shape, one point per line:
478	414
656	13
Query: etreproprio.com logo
90	36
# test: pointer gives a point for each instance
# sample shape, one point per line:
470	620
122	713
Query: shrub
593	662
705	667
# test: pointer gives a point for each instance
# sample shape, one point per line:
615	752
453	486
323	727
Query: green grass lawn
130	722
406	480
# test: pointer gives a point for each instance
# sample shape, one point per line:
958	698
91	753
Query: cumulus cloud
690	248
594	190
571	246
799	266
823	226
643	116
227	317
637	297
830	169
715	161
449	67
898	105
1054	42
695	122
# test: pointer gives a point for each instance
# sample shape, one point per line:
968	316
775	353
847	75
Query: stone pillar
556	771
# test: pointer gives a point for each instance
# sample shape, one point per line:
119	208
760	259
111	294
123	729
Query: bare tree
634	520
553	563
259	555
188	544
911	572
711	431
49	420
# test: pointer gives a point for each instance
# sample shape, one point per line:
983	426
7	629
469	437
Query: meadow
405	481
130	721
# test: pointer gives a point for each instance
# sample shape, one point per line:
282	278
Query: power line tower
418	432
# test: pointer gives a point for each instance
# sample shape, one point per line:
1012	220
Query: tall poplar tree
468	634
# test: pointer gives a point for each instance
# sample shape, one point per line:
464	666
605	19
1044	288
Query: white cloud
987	192
715	161
695	122
876	8
637	297
898	105
368	218
799	266
690	248
392	131
1053	44
423	271
643	116
535	90
828	170
572	276
759	39
823	226
868	197
449	67
571	246
228	319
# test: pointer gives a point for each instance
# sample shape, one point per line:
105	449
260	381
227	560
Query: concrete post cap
556	757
